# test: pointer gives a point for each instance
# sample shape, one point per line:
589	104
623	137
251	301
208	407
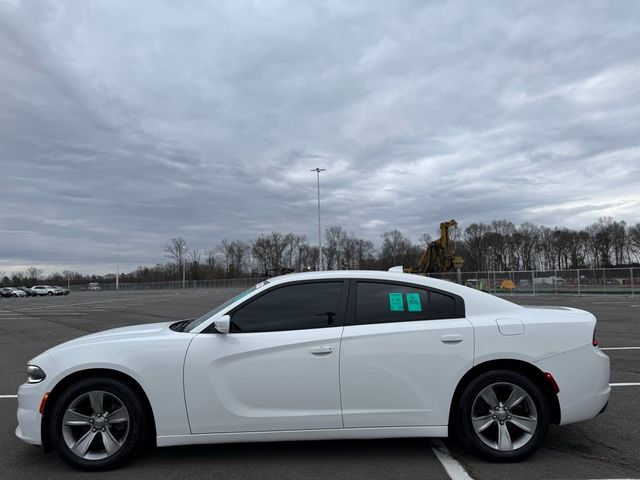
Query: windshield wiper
181	325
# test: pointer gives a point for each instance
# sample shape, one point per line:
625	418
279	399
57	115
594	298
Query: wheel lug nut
509	417
103	429
494	417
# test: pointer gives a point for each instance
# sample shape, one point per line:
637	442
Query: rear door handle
322	350
451	339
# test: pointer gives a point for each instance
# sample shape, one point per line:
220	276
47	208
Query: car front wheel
97	424
503	416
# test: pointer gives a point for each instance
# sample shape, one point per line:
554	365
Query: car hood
122	334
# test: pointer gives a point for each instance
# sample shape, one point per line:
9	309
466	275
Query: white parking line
612	302
49	312
620	348
629	384
56	314
8	396
450	464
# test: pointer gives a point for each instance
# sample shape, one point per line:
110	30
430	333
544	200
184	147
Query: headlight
34	374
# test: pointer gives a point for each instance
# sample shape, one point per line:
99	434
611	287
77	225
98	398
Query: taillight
552	382
594	342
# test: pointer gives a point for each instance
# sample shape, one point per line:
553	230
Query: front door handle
322	350
450	339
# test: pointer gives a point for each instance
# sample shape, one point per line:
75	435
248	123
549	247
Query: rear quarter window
442	306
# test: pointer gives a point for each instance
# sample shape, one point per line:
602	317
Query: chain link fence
603	281
217	283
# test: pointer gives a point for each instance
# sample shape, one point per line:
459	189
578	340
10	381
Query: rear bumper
583	378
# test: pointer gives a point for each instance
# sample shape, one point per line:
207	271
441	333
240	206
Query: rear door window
379	302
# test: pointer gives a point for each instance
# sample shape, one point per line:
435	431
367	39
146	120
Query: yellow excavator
438	256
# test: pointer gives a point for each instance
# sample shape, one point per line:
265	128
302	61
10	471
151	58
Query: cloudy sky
140	121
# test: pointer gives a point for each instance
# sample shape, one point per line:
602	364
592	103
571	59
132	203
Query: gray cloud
141	121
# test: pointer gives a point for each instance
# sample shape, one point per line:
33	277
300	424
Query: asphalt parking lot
606	447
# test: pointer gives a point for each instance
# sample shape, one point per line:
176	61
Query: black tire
132	443
50	293
471	403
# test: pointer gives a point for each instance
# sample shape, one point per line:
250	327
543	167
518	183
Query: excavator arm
438	256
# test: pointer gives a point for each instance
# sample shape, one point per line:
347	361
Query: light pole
318	170
184	268
118	267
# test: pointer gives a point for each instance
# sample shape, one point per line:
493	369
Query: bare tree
268	250
33	274
476	245
333	251
177	251
365	254
602	234
529	235
397	250
210	261
633	237
193	259
235	255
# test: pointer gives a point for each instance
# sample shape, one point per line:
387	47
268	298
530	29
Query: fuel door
510	326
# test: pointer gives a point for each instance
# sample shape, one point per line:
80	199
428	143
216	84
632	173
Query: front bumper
29	417
583	378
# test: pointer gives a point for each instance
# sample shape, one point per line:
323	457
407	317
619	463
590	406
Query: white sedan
17	292
328	355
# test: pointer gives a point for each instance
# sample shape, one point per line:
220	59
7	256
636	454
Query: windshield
194	323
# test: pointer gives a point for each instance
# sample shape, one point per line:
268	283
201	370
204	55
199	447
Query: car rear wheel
50	293
503	416
98	424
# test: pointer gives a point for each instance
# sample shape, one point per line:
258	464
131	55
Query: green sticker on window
395	302
413	302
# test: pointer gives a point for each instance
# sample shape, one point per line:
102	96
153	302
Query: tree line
498	245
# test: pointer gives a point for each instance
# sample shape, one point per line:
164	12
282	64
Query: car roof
479	302
394	276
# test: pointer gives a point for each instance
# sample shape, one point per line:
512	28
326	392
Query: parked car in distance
93	286
64	290
6	292
28	291
46	290
322	355
12	292
18	292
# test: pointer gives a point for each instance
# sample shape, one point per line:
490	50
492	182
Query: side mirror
222	324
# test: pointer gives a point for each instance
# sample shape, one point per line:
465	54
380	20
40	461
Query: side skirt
294	435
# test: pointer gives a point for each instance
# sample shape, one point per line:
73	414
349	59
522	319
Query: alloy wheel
95	425
504	416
